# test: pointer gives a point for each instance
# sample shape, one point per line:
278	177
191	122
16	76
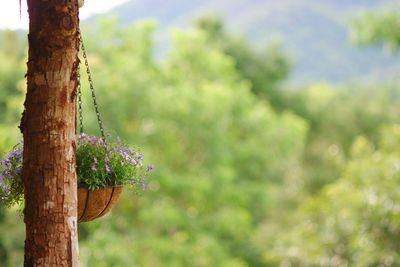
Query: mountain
314	32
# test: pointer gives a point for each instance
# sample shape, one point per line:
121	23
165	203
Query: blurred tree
11	99
377	28
218	149
264	69
11	70
354	221
337	115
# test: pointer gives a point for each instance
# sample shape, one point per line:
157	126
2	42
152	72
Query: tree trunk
48	126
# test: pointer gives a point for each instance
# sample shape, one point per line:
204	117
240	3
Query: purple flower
119	140
107	147
109	135
92	139
150	168
142	184
108	168
141	157
94	168
127	150
19	157
132	181
17	170
82	137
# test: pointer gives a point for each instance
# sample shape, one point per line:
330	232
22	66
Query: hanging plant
101	164
103	169
104	166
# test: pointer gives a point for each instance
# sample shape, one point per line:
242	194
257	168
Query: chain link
96	107
80	111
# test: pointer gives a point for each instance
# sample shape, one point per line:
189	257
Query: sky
10	18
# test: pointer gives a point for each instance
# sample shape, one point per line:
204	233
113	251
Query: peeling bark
48	127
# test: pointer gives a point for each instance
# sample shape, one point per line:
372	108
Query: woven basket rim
109	186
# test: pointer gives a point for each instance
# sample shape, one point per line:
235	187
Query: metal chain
80	111
96	107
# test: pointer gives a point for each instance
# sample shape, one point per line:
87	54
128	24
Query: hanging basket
93	204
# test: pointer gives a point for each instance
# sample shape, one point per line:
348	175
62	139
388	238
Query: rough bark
48	127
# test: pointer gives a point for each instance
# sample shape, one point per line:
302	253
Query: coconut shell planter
93	204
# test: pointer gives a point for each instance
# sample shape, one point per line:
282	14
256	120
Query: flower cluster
99	163
11	185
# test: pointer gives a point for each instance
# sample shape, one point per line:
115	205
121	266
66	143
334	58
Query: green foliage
11	77
377	28
354	221
264	69
337	115
12	234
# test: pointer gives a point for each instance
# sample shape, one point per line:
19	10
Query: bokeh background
273	127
